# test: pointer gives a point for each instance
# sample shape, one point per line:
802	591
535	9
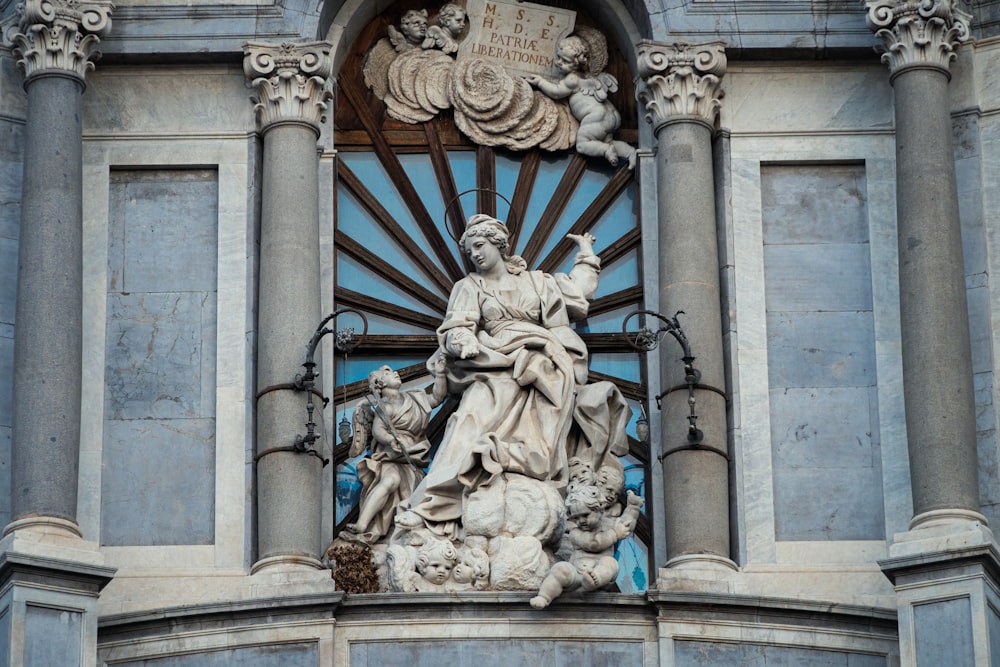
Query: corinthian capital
918	33
681	81
60	36
290	80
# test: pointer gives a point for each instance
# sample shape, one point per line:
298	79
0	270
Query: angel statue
412	31
586	86
392	424
445	35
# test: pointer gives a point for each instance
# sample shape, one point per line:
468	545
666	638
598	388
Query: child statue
444	35
592	534
412	30
392	424
587	93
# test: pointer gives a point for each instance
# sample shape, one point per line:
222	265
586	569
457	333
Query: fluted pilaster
918	33
60	36
290	80
681	81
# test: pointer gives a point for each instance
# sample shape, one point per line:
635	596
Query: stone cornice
290	80
918	33
680	81
60	36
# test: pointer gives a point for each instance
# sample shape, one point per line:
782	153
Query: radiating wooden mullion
393	228
486	181
616	300
454	212
358	389
639	450
389	272
376	344
630	241
608	194
526	177
642	530
368	304
633	390
550	217
399	177
606	342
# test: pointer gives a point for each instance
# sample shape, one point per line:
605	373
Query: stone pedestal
680	92
290	82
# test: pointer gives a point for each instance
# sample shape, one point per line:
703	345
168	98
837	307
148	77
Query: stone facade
815	186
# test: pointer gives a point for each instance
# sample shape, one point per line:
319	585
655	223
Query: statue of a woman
520	369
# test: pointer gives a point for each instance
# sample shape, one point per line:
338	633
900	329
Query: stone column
680	91
55	42
944	568
291	84
920	40
45	565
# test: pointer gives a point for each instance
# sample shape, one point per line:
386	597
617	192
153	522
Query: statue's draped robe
520	393
409	417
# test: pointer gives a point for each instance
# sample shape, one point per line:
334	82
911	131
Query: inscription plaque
521	35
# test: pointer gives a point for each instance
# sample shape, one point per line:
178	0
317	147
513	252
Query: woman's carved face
483	253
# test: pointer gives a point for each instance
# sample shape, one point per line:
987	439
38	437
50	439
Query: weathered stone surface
158	482
515	505
517	563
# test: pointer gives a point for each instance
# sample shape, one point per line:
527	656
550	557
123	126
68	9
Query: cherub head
581	472
474	568
452	18
413	25
435	561
383	377
572	55
584	506
611	482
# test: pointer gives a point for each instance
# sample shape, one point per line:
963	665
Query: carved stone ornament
918	32
681	80
494	75
527	489
291	81
60	35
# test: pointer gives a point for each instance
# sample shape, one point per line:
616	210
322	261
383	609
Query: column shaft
937	357
289	483
696	481
48	334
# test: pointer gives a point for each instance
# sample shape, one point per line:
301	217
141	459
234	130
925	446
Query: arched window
398	215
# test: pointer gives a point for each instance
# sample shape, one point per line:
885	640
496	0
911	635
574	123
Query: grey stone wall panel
820	349
496	653
713	654
158	482
52	636
283	655
934	645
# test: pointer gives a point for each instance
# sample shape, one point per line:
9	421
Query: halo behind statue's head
597	44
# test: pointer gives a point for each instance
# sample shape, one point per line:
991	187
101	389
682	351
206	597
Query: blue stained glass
618	219
354	221
609	322
370	172
550	171
620	365
353	276
421	172
463	166
619	275
358	367
589	187
507	172
633	565
348	492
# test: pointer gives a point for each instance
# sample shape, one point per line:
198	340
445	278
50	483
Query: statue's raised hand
585	241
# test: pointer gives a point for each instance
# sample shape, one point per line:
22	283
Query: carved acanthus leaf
60	35
290	80
918	32
680	80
